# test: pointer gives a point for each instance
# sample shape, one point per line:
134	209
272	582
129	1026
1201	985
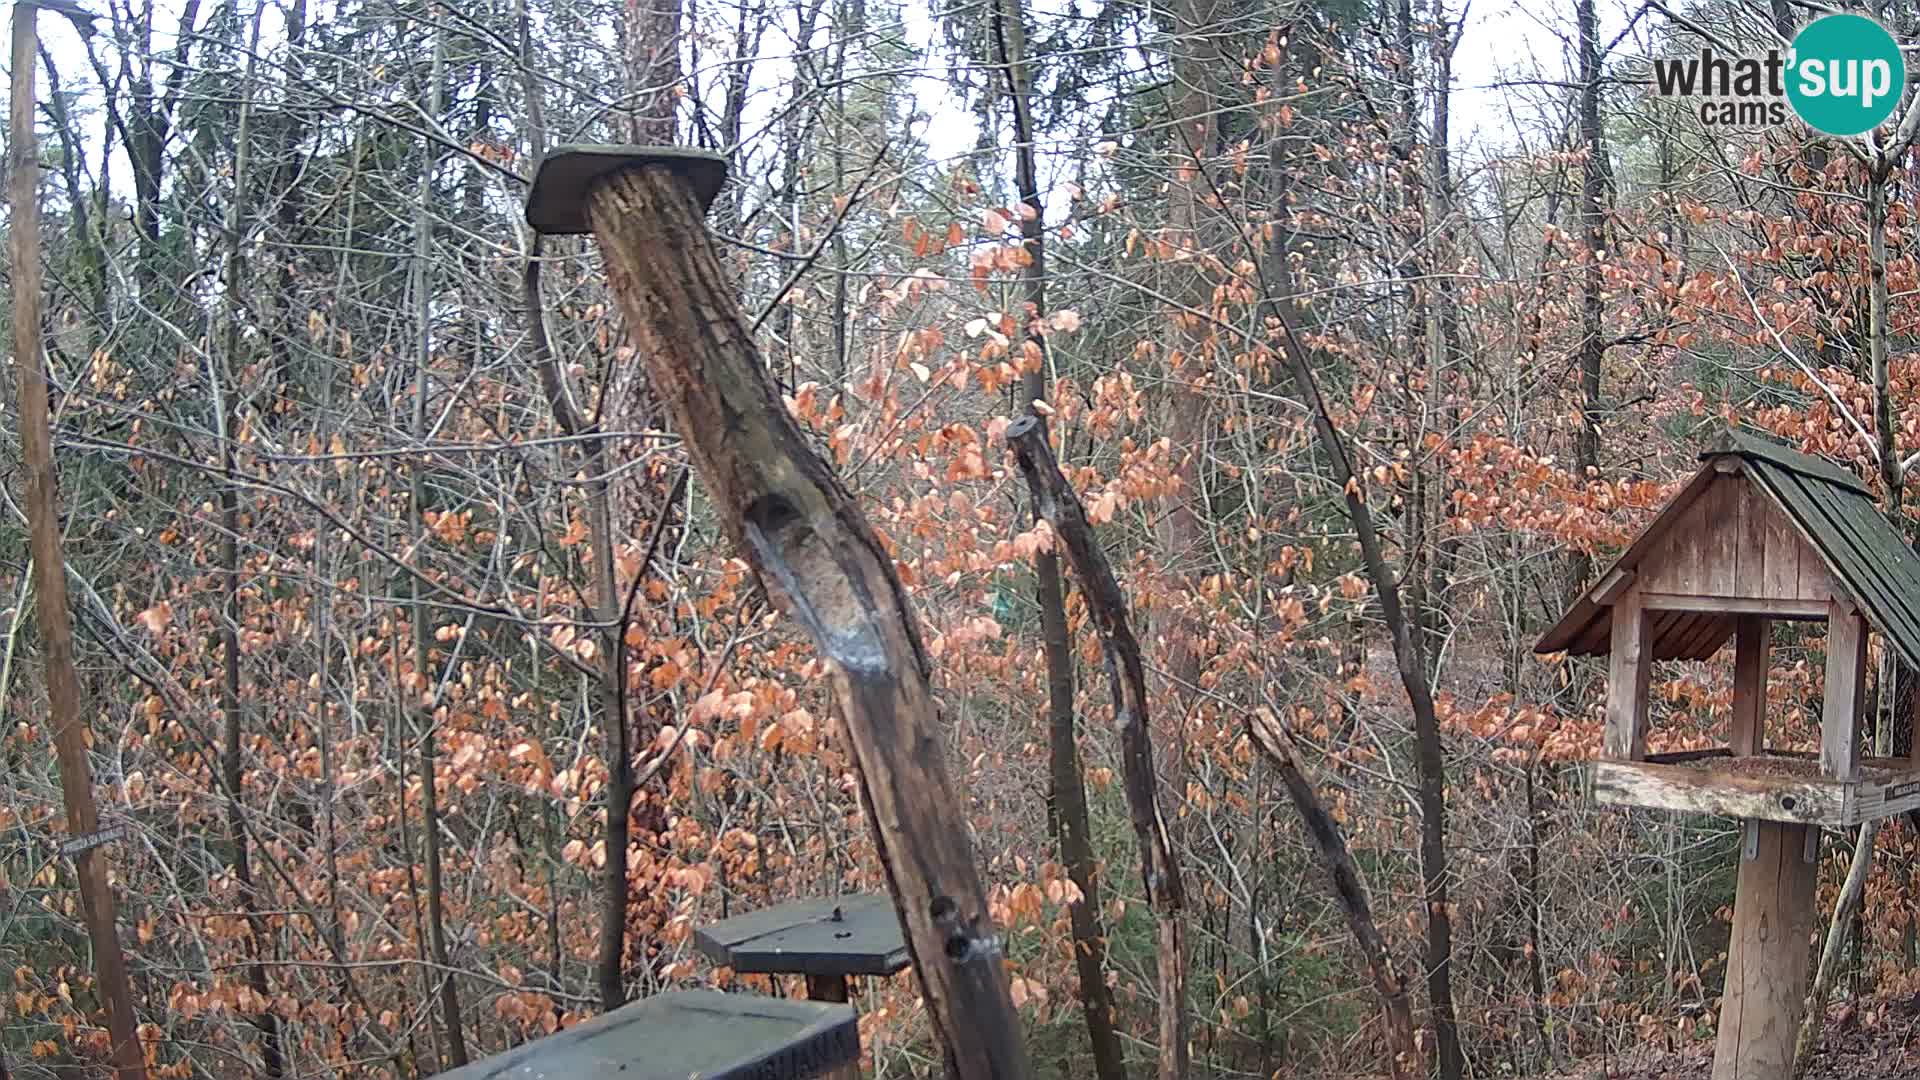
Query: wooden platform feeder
691	1033
825	941
1761	533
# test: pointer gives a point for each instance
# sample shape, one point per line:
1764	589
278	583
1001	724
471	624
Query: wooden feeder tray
557	205
1771	787
692	1033
806	938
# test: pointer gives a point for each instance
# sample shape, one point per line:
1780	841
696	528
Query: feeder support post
820	560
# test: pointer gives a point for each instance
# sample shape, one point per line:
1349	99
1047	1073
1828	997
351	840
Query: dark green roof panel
1866	554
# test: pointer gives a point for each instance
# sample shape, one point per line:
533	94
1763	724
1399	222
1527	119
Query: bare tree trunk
49	568
234	758
1592	348
609	697
653	69
1127	679
1067	801
1846	910
1349	888
824	566
425	702
1430	756
1197	63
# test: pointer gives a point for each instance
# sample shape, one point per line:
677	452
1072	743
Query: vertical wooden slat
1628	668
1750	574
1912	678
1718	542
1750	645
1782	575
1846	678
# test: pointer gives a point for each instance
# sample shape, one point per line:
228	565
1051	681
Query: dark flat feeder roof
851	935
690	1033
557	205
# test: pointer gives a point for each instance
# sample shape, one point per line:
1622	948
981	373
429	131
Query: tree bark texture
49	567
824	566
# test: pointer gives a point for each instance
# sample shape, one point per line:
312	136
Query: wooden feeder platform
1768	787
850	935
691	1033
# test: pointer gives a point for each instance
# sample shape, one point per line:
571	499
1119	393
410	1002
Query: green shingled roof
1863	551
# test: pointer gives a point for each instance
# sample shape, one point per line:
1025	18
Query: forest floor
1884	1047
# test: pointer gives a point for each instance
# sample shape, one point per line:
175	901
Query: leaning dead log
1127	678
1349	887
820	560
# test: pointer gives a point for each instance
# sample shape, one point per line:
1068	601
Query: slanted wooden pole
1773	916
49	567
1349	888
818	557
1054	498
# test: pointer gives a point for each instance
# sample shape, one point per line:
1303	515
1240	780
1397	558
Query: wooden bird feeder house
1760	534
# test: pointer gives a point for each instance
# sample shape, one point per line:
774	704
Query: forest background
363	489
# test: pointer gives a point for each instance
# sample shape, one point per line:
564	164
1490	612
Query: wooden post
1630	663
819	559
1752	634
1846	685
833	988
49	566
1773	916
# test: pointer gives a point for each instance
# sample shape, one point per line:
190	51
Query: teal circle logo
1845	74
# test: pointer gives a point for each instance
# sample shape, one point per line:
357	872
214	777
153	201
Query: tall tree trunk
1067	802
1430	755
425	701
653	69
49	568
1846	909
610	963
628	487
1593	349
1197	64
233	767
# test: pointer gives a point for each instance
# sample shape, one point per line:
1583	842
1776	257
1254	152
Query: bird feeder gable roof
1830	510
